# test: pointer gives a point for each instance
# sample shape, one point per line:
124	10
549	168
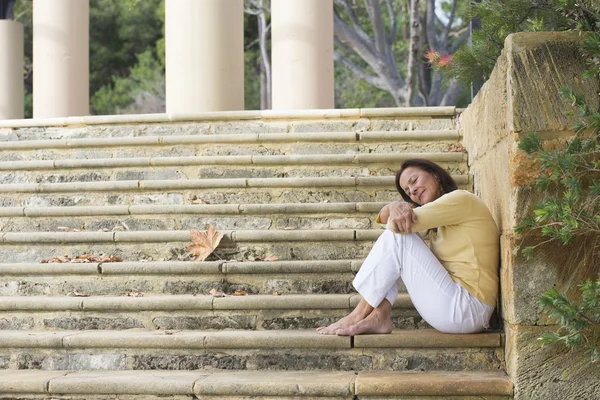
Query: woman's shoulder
459	195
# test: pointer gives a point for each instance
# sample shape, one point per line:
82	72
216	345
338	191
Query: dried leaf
78	293
200	200
44	261
275	293
239	292
216	293
204	243
289	228
271	258
118	228
135	294
64	228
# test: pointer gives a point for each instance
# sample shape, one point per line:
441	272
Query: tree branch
448	27
394	19
353	18
460	41
413	52
430	25
351	39
377	22
370	79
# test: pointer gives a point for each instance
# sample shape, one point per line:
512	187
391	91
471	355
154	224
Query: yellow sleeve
450	209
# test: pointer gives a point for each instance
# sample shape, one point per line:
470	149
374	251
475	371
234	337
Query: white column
302	54
12	105
204	55
61	85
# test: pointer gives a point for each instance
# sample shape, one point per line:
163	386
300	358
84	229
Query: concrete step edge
275	235
195	209
250	138
192	184
189	302
258	160
258	383
235	116
173	268
282	339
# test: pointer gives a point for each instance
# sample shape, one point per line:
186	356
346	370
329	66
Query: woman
453	285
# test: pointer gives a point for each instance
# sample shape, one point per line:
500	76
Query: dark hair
444	177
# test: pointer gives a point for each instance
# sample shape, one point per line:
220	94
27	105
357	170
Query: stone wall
521	96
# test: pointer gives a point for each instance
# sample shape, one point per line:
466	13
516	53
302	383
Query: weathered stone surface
233	321
17	323
148	175
291	360
330	126
220	128
187	362
434	360
170	198
4	361
76	362
163	129
321	223
226	223
390	124
76	177
543	372
94	323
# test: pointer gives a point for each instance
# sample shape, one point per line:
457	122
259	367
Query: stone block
127	382
33	383
228	223
73	362
92	323
543	372
234	127
225	321
358	125
166	129
187	362
148	175
552	266
168	198
17	323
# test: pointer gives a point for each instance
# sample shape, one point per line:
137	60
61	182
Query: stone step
121	278
172	245
213	384
229	140
213	191
65	165
185	312
250	350
366	208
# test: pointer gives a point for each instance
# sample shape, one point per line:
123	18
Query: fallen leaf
204	243
289	228
118	228
271	258
275	293
239	292
44	261
77	293
135	294
216	293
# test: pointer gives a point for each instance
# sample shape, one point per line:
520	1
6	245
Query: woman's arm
398	216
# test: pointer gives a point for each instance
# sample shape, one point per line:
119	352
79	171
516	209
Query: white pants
443	303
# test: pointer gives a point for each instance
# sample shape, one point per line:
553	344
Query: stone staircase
301	189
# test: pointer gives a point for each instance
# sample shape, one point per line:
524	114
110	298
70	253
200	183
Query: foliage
580	321
494	20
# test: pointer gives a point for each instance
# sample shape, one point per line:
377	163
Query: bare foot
362	310
376	322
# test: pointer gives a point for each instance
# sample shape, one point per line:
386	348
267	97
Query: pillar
60	58
302	54
12	105
204	55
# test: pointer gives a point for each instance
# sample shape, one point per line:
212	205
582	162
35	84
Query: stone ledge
175	268
262	138
243	384
419	112
189	302
165	184
244	339
298	159
247	236
195	209
482	383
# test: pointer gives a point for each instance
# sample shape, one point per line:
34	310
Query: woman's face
421	186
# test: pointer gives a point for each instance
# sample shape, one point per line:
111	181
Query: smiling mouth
421	195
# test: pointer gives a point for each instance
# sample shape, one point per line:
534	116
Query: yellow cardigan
467	242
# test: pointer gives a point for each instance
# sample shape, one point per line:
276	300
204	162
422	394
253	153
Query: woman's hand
401	217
